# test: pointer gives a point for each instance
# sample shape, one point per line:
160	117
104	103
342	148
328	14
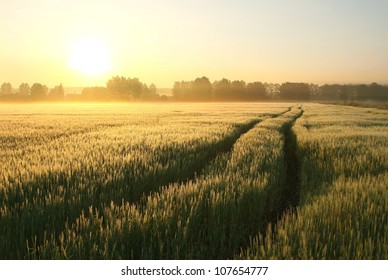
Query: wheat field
193	181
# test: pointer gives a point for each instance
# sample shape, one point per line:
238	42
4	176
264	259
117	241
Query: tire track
291	192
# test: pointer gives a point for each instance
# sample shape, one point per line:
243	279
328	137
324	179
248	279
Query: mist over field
194	130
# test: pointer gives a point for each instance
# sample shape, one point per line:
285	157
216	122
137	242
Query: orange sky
84	43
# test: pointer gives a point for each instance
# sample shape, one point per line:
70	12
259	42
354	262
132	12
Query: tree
362	92
344	93
24	89
294	91
314	90
273	90
122	87
6	89
149	92
135	87
331	92
222	89
57	92
118	86
182	90
238	90
377	92
202	89
256	91
153	89
38	91
177	91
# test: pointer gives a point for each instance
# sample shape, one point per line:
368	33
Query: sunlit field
193	181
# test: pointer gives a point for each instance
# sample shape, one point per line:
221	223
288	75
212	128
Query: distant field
193	181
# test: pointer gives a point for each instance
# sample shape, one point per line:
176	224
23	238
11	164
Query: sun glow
90	57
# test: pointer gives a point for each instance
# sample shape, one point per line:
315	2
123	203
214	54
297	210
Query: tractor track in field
199	170
291	192
61	211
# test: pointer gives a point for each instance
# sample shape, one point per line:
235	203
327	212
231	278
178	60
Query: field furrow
193	181
45	187
343	206
210	217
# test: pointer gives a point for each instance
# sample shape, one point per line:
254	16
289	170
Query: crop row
208	217
343	208
56	166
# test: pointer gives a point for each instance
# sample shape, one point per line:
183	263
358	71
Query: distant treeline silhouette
26	92
224	90
121	88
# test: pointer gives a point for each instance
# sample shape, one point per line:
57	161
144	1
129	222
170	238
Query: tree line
117	88
201	89
37	91
121	88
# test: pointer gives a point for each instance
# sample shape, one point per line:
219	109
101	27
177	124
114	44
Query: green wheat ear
219	181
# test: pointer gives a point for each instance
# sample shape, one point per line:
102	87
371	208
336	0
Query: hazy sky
162	41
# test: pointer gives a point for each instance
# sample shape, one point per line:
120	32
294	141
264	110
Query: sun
90	57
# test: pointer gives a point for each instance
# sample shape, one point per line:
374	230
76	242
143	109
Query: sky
85	43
